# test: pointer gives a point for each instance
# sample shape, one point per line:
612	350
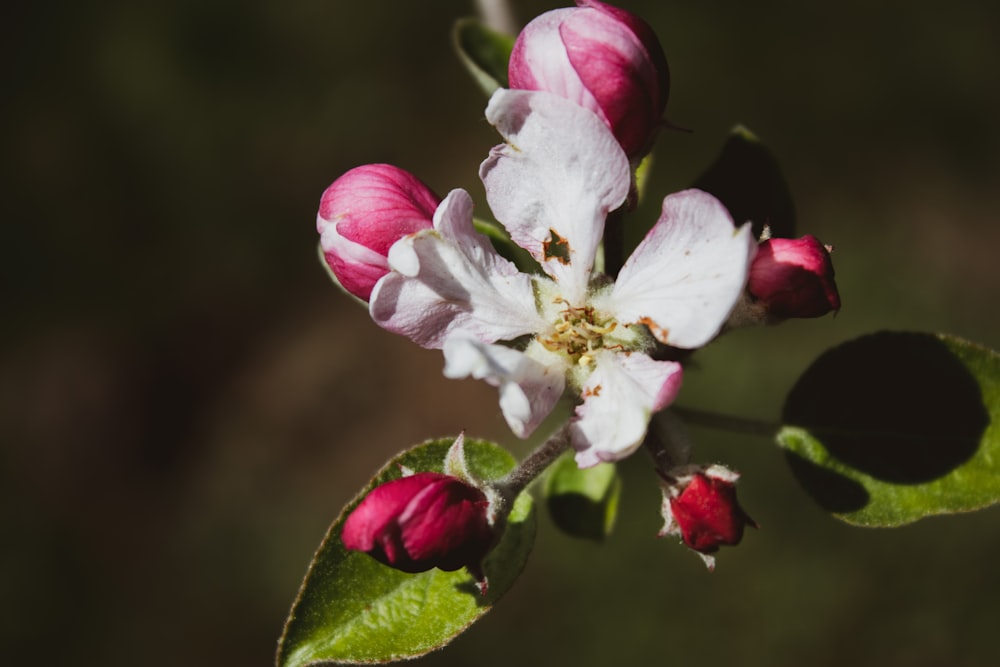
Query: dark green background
186	403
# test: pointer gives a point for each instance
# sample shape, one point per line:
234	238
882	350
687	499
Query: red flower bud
702	509
603	58
362	214
422	521
794	278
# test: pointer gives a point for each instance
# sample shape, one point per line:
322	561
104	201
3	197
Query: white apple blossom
535	337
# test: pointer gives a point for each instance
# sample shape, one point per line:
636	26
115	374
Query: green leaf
747	179
583	503
895	426
352	609
484	53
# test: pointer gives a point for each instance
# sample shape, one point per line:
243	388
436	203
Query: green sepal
505	247
642	174
747	179
896	426
484	53
351	609
583	502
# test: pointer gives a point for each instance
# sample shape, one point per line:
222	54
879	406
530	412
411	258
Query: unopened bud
602	58
362	214
699	505
423	521
793	278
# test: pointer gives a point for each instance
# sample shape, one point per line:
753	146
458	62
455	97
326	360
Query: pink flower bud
422	521
603	58
794	278
362	214
701	507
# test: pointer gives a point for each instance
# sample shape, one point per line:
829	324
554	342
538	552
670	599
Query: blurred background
186	402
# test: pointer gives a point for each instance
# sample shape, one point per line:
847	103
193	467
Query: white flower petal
684	278
554	181
451	279
619	398
528	388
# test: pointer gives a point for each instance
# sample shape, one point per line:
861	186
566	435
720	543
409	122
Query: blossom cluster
588	89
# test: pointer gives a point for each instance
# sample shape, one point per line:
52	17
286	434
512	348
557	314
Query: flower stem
533	465
498	16
726	422
668	442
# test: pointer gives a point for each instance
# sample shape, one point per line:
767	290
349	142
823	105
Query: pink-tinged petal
648	41
529	389
554	181
399	202
619	398
687	274
451	279
362	214
356	267
539	61
657	60
602	58
628	80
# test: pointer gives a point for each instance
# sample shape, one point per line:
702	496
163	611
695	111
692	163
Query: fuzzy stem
668	443
532	466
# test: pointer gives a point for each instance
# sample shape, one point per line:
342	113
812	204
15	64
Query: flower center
578	332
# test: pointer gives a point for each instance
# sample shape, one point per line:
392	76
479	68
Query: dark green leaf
583	503
747	179
484	53
892	427
352	609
